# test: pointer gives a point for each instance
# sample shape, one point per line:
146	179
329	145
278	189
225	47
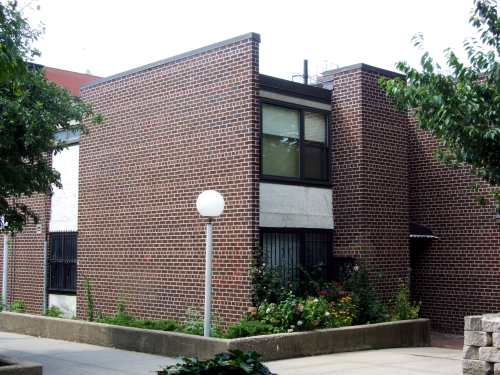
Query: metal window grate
287	248
62	262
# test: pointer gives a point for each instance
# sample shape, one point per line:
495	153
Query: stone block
491	324
489	354
496	339
473	367
496	369
473	323
477	338
470	352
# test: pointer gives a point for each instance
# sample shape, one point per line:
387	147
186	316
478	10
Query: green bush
54	312
404	309
248	328
125	320
193	323
233	363
369	307
18	306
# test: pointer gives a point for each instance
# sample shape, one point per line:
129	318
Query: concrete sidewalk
62	357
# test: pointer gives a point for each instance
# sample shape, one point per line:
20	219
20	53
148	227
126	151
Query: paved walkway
62	357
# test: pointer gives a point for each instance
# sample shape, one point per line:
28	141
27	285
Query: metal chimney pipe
306	76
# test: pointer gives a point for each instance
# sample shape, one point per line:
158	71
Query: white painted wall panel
64	211
66	303
288	206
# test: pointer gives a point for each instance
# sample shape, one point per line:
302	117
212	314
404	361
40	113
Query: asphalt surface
62	357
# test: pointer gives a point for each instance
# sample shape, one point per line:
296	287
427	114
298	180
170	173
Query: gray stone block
489	354
470	352
473	323
477	338
496	339
496	369
472	367
491	324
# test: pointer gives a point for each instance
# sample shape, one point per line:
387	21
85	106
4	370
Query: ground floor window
288	248
62	262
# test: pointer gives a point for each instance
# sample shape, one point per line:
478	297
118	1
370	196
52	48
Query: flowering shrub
304	314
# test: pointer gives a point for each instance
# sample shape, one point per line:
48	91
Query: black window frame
328	263
62	262
301	180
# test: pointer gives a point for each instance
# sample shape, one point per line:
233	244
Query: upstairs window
295	144
70	136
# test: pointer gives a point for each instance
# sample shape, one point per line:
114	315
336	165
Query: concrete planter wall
14	366
377	336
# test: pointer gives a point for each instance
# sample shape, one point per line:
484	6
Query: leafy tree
32	110
460	108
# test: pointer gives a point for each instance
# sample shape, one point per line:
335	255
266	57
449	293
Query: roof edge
251	35
365	67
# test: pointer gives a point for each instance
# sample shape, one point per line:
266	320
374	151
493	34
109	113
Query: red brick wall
171	132
370	176
25	274
457	275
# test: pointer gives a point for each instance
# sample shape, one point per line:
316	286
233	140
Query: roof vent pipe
306	77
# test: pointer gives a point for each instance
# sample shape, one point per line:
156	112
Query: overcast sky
112	36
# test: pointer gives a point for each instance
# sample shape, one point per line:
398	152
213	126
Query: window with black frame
288	248
295	143
62	262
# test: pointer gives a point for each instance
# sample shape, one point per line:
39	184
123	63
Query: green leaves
234	362
32	110
461	108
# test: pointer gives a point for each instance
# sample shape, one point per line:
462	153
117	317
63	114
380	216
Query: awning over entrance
421	231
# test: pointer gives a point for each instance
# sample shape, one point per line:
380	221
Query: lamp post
210	204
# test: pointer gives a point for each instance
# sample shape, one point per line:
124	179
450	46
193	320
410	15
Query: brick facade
190	123
171	132
370	175
25	279
456	275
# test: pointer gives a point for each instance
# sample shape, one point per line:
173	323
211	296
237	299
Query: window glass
74	134
316	163
61	135
280	141
315	128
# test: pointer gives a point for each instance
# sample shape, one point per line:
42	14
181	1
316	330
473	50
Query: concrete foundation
409	333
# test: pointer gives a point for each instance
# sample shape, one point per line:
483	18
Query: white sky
112	36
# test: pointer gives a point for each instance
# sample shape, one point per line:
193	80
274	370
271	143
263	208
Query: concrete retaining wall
272	347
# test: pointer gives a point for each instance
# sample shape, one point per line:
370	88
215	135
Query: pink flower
356	268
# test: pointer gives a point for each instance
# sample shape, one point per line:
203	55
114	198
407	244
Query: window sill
289	181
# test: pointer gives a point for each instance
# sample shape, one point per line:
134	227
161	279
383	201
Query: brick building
308	172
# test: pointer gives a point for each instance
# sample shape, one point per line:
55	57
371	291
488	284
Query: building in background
306	172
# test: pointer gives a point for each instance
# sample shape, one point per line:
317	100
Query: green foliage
235	362
32	109
130	321
460	108
193	323
358	283
16	37
54	312
403	309
18	306
121	304
248	328
267	282
303	314
89	302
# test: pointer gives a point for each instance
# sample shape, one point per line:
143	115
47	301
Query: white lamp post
210	204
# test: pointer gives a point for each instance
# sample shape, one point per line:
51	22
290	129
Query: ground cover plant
235	362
